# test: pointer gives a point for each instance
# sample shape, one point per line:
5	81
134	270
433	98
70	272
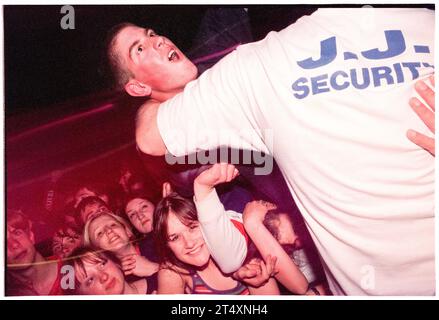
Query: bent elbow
148	146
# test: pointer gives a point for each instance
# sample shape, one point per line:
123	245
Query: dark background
45	64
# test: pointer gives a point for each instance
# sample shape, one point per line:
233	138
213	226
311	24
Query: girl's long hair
186	213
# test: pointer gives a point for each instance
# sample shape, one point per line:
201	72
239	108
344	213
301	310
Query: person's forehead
284	218
91	208
89	267
128	35
136	202
99	221
174	224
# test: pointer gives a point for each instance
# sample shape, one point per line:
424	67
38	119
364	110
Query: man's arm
289	274
148	136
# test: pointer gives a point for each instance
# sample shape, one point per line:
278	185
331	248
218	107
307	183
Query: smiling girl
187	266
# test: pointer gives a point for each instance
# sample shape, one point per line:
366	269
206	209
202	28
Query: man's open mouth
173	55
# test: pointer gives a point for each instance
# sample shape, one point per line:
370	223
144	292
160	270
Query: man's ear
137	89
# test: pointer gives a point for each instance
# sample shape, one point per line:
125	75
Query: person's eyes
132	216
140	49
152	34
193	226
100	233
89	281
18	232
173	238
144	207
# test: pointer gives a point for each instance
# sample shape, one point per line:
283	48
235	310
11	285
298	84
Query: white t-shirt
336	126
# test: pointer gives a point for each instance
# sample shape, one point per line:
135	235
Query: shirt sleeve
223	232
216	110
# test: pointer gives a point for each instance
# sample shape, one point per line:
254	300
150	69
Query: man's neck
161	96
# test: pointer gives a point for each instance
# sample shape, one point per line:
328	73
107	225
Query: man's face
92	210
154	60
21	250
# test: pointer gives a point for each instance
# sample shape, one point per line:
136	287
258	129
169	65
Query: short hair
120	220
119	74
87	201
271	222
18	220
99	188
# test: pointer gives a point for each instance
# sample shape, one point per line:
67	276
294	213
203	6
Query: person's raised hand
216	174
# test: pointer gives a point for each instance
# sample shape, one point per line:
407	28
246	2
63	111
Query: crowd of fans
134	242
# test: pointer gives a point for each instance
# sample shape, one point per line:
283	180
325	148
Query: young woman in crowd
186	263
112	233
140	211
99	273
